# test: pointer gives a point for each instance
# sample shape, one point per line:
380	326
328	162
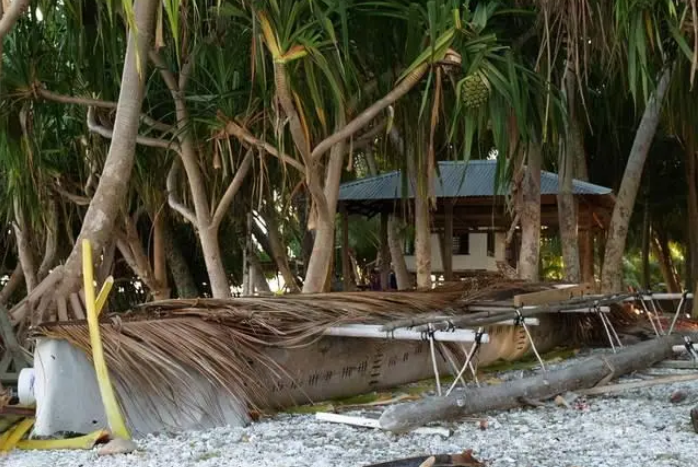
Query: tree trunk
612	274
179	268
12	285
586	374
159	256
278	250
258	279
692	266
397	254
111	191
422	242
24	252
646	232
318	274
570	153
530	216
660	248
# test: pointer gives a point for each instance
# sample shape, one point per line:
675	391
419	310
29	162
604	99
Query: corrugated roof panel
458	179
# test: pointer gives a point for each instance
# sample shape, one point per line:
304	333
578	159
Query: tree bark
586	374
258	279
530	216
625	200
317	276
422	242
179	268
99	220
568	156
397	253
277	250
12	285
660	248
692	267
159	256
646	232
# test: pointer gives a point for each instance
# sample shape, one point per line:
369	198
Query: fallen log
586	374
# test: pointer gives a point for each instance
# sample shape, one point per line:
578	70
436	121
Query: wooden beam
447	240
552	295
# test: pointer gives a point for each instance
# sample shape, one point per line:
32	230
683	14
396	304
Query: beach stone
117	446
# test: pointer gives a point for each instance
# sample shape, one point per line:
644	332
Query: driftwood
465	459
588	373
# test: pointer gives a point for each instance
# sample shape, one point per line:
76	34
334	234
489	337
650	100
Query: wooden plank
551	296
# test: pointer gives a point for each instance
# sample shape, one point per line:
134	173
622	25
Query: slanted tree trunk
98	223
612	273
529	254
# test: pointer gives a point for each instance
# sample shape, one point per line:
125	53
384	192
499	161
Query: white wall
476	260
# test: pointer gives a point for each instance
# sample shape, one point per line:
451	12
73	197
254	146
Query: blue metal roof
456	179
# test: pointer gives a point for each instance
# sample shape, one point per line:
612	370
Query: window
461	244
490	244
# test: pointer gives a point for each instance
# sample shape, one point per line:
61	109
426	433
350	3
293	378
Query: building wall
477	259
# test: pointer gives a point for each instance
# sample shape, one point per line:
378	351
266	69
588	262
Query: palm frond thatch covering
156	348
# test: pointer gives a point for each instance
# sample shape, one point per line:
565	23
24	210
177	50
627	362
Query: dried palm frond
161	349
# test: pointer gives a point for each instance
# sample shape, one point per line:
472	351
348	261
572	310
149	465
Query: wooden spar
503	313
375	332
551	295
586	374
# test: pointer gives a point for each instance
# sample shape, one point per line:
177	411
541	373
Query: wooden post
447	243
384	252
346	261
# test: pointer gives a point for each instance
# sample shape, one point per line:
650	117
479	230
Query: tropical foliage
253	112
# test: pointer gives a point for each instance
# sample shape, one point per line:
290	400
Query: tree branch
365	117
10	17
233	188
88	102
95	127
76	199
233	129
172	199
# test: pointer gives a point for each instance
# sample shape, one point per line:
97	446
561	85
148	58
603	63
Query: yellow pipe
103	294
81	442
114	416
12	436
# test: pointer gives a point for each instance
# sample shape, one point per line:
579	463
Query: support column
447	242
384	252
346	261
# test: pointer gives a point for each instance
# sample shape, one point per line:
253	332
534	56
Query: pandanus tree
654	36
